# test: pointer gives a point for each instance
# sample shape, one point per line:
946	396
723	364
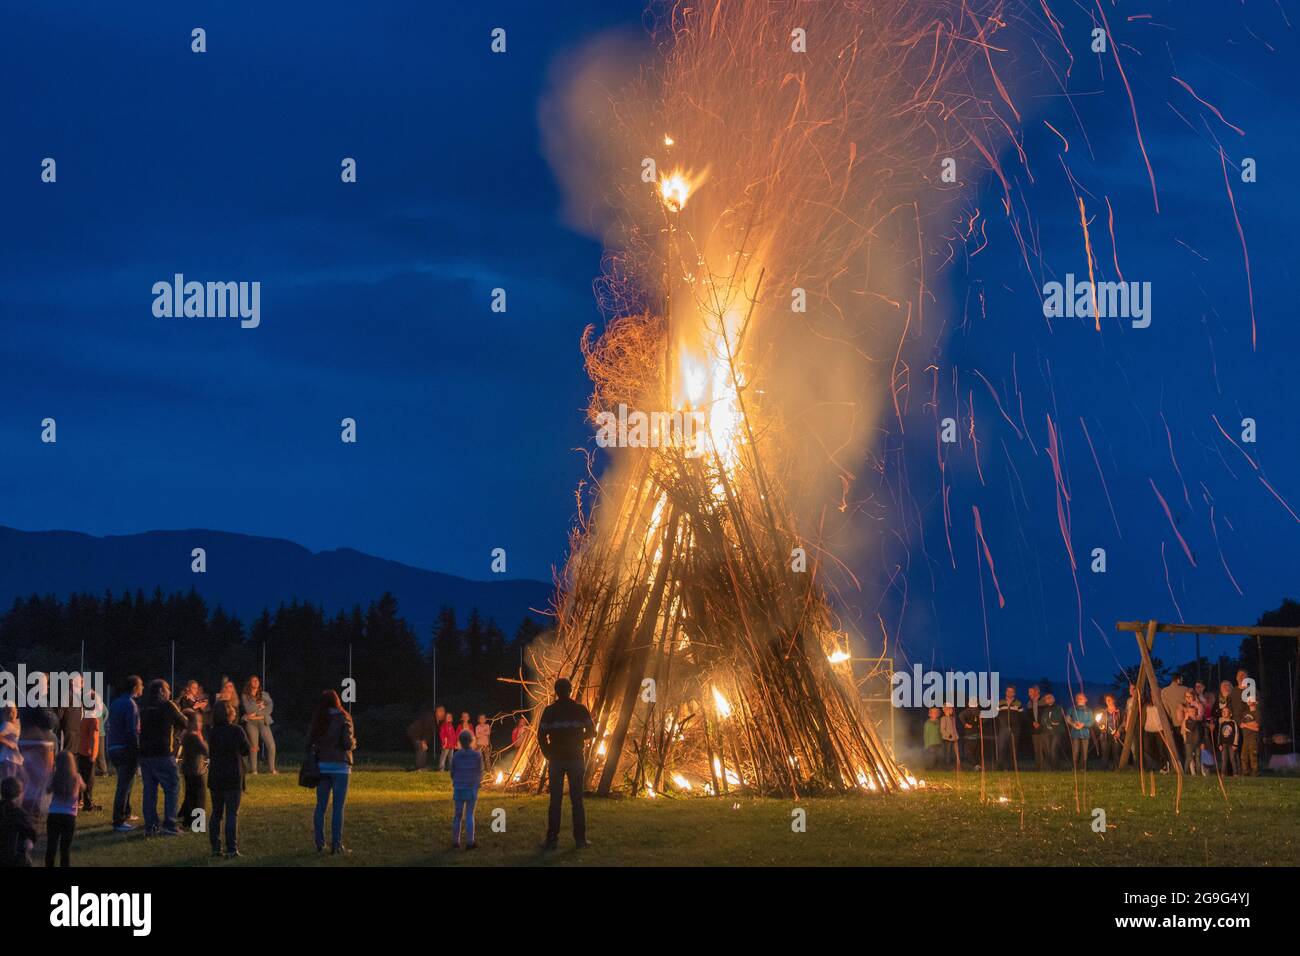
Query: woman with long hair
1189	725
257	723
226	691
65	800
227	748
333	738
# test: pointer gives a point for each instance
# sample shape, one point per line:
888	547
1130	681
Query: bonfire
789	144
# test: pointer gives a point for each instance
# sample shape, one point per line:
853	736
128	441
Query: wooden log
708	749
667	629
640	645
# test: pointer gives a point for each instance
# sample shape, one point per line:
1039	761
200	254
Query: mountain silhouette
246	574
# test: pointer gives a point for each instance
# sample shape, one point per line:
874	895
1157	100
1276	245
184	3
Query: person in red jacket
447	737
87	753
520	731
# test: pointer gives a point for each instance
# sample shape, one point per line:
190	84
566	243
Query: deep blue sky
375	306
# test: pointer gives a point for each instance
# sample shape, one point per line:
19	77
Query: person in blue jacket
124	749
1079	719
466	778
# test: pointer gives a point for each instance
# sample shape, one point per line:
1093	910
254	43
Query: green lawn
394	817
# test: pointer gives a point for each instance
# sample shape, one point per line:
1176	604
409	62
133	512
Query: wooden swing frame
1145	633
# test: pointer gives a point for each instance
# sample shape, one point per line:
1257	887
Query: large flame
723	705
707	319
675	189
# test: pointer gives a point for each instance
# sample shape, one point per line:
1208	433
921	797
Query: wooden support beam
1132	733
1166	731
1139	627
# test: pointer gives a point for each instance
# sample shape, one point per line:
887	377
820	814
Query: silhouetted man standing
562	732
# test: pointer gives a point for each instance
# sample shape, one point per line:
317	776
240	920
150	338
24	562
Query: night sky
375	306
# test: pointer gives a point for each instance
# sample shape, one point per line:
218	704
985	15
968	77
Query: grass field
400	818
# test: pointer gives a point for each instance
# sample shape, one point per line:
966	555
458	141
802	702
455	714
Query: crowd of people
435	736
50	757
1212	732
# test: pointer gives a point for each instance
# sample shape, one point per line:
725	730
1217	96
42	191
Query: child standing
1190	725
932	740
194	768
483	739
447	740
17	832
65	800
1229	733
948	731
11	758
520	730
466	777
